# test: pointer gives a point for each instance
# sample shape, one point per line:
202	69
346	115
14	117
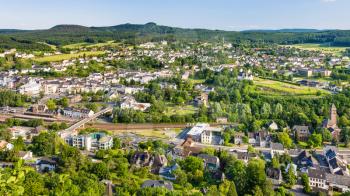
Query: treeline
12	99
9	42
130	33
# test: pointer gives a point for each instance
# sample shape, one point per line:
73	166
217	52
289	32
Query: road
86	120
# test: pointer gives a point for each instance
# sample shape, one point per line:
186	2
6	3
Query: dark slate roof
273	173
157	183
333	163
330	154
315	173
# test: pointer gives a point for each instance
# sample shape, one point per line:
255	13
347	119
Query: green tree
326	135
315	140
236	170
256	176
101	170
192	164
306	183
345	136
51	104
291	178
285	140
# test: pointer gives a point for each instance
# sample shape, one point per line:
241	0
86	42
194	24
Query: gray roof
277	146
209	159
157	183
316	173
338	179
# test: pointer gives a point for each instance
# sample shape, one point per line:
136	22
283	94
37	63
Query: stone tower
333	115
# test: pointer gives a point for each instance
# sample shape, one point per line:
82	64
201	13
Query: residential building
275	175
90	142
212	163
317	179
157	183
276	148
301	133
77	113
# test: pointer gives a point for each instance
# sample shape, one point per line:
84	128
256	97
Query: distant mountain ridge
288	30
137	33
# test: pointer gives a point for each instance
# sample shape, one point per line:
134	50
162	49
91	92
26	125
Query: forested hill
135	33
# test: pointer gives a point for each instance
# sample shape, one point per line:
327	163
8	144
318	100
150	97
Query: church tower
333	115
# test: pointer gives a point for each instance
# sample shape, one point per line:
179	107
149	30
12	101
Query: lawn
180	110
197	81
62	57
53	47
321	47
276	88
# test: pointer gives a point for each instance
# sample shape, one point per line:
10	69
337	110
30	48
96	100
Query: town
158	110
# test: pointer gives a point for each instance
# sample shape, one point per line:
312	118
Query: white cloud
328	1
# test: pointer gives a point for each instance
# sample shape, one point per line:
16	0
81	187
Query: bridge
82	122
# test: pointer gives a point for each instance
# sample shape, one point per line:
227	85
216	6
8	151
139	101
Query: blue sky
212	14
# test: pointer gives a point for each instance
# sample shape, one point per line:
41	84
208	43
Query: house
32	88
74	99
305	72
104	143
338	183
222	120
186	149
5	145
337	165
273	126
275	175
77	113
18	131
203	99
204	133
167	172
159	161
238	138
276	148
303	161
45	164
212	163
142	159
157	183
25	155
245	75
245	156
317	179
262	138
38	108
131	103
301	133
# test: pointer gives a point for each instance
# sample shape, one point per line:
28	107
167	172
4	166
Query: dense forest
133	33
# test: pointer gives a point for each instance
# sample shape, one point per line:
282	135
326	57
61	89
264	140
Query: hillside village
277	112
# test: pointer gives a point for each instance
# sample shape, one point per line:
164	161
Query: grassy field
197	81
320	47
276	88
180	110
62	57
89	45
53	47
154	133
